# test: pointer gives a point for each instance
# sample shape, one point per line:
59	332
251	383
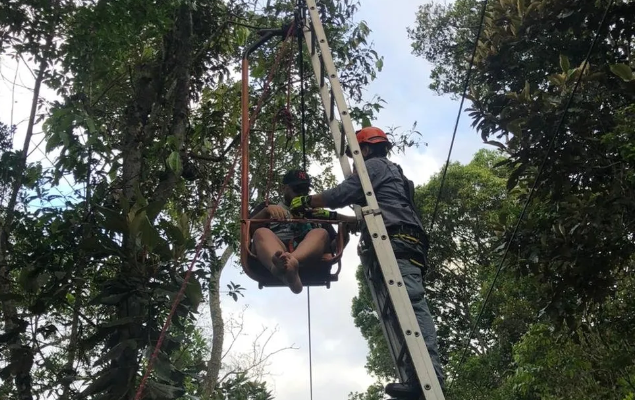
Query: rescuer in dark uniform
395	196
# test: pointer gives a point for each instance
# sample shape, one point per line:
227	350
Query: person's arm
265	212
347	192
321	213
344	194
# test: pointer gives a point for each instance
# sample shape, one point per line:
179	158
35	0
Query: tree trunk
126	364
175	71
215	361
68	372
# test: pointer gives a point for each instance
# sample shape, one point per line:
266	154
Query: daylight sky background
338	350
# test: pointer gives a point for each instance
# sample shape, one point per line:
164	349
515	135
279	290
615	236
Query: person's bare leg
312	247
310	250
267	244
269	248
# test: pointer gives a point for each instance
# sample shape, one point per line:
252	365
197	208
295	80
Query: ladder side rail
324	91
403	308
333	122
394	344
380	239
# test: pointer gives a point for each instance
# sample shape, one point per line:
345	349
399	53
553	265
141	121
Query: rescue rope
286	117
211	215
309	341
531	193
302	125
272	158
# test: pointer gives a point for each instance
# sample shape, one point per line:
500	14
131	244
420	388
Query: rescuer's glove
320	213
300	204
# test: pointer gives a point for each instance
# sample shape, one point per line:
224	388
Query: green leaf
116	351
194	291
363	27
557	79
379	64
113	171
520	5
514	176
175	163
163	369
173	232
135	221
109	300
90	124
150	235
365	121
564	63
241	35
153	209
623	71
527	91
113	220
532	6
97	385
496	144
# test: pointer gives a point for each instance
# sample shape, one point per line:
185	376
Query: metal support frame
391	298
266	35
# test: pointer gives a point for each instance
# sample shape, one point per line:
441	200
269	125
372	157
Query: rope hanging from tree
283	116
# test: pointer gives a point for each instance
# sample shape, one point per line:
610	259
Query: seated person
283	248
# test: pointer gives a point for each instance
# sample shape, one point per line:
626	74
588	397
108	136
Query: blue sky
339	351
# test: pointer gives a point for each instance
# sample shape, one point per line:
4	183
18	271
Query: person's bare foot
288	266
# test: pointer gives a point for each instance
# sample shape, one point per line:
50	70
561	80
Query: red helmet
371	135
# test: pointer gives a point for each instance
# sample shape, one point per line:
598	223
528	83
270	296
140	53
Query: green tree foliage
462	253
579	233
374	392
144	131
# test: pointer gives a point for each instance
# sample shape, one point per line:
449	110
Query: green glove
320	213
300	204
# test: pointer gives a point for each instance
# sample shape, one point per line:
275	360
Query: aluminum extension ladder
393	306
